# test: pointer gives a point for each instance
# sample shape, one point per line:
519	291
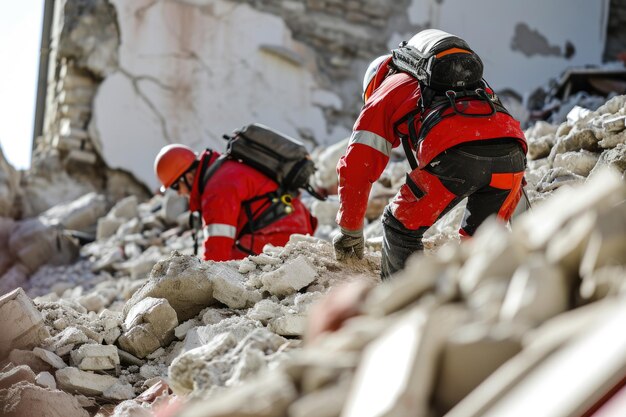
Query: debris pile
570	152
445	323
138	323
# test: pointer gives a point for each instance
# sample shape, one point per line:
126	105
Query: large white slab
192	72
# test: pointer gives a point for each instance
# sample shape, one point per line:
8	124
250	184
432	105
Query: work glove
348	244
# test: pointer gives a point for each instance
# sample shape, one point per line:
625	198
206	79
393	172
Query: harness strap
272	210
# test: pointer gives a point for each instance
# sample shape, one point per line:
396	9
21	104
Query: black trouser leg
398	244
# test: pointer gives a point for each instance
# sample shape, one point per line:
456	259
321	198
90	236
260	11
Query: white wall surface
489	27
192	72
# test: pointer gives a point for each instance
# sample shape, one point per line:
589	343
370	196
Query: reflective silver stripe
372	140
219	229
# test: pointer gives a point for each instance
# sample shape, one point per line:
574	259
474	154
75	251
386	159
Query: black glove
350	243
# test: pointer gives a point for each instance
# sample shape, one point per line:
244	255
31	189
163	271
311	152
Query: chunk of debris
95	357
24	399
74	380
183	281
21	326
290	277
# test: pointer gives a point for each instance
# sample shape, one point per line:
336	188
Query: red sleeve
370	146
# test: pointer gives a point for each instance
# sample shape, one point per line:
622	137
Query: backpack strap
195	217
277	205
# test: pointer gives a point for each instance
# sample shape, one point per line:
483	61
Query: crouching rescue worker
230	202
460	141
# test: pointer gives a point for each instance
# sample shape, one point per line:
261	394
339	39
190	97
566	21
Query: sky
20	34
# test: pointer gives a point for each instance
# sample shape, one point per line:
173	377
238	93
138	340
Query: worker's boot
398	244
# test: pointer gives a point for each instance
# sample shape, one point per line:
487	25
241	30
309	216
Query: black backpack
281	158
449	71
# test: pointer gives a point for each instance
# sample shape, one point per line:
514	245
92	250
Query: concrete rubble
129	321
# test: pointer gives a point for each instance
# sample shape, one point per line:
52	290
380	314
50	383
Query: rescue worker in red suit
481	158
221	203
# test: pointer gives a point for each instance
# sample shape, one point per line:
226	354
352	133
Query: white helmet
370	74
425	40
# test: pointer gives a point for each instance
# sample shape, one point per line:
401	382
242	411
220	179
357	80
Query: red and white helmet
374	77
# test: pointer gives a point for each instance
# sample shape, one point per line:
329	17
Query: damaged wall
130	77
523	44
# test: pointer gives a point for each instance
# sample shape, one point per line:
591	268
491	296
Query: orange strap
509	181
452	51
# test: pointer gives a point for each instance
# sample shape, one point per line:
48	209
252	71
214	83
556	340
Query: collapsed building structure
138	323
107	312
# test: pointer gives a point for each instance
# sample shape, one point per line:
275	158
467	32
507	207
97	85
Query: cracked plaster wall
190	70
523	44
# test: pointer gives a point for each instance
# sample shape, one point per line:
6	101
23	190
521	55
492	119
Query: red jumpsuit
446	173
223	216
374	136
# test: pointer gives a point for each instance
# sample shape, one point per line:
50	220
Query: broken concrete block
290	277
418	277
288	325
50	357
611	141
229	287
119	391
30	359
326	402
96	357
126	208
537	292
613	158
181	330
215	315
158	313
17	374
183	281
70	336
268	395
107	227
140	341
31	243
111	335
607	243
31	400
92	302
414	342
184	369
141	266
614	124
536	228
566	248
46	380
238	327
128	359
80	214
21	326
493	257
575	140
469	356
540	147
265	310
72	379
580	162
